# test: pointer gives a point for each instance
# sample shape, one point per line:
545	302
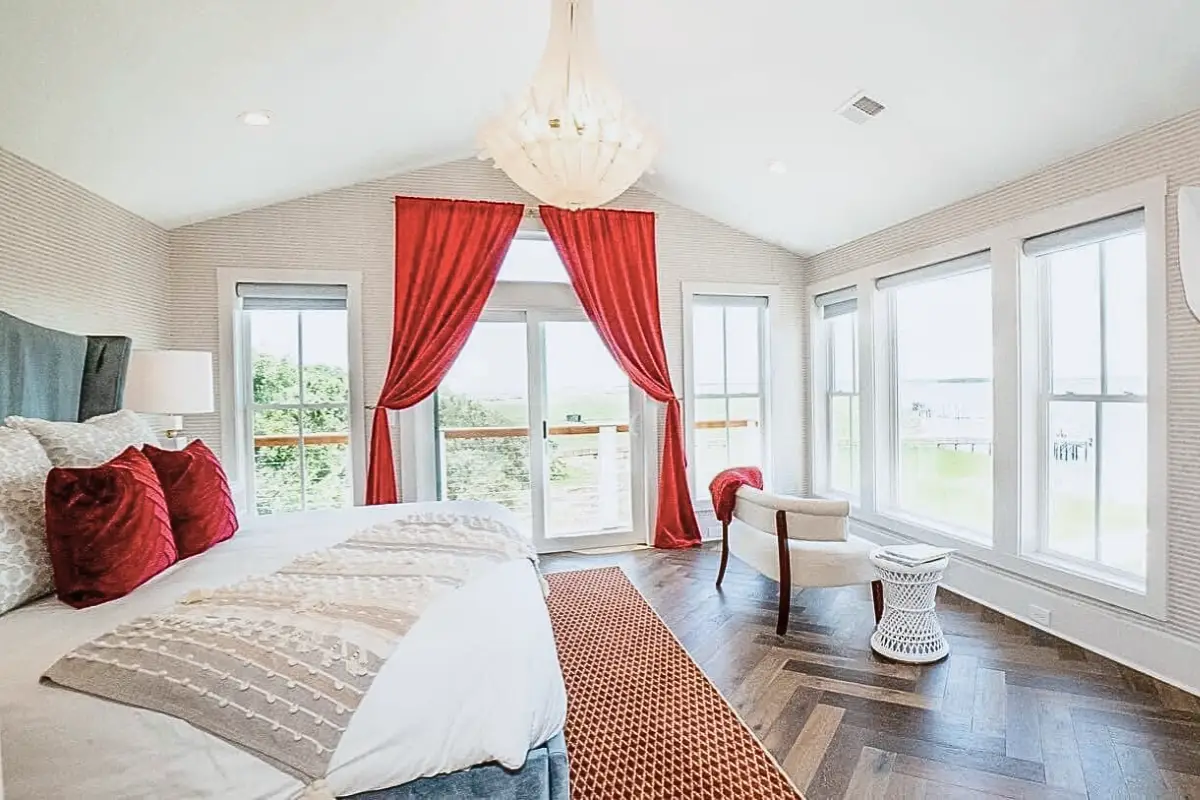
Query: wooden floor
1013	712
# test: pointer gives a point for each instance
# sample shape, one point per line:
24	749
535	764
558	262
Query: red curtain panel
611	259
448	253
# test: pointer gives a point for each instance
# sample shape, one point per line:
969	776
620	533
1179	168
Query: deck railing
594	494
570	429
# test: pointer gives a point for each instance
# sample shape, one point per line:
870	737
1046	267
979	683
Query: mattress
475	680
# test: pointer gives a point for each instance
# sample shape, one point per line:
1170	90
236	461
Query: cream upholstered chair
797	542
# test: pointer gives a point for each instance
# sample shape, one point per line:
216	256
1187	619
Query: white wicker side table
909	630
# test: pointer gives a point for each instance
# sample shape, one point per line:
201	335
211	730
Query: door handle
545	429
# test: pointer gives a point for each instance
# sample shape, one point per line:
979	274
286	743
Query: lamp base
176	440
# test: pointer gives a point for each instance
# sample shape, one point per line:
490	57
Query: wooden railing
576	429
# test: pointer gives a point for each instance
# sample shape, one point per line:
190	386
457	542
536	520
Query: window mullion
830	384
1097	518
725	379
300	410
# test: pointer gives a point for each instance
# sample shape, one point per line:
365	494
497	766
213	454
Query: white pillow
25	572
87	444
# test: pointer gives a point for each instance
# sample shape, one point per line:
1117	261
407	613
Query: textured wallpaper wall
74	261
352	229
1172	149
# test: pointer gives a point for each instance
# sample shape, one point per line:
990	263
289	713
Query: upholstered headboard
59	376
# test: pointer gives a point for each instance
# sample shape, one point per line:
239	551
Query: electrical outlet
1039	616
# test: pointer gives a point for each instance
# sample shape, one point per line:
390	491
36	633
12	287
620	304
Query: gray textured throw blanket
278	664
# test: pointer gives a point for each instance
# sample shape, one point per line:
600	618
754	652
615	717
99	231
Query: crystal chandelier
570	140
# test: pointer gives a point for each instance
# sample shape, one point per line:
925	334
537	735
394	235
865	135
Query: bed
471	702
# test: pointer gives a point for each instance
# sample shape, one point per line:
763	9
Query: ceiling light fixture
256	119
777	168
570	139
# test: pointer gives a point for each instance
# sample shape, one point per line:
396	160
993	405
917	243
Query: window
536	415
941	415
727	390
1093	392
532	258
842	416
1005	395
295	361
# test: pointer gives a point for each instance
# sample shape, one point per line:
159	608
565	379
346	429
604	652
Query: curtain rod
532	212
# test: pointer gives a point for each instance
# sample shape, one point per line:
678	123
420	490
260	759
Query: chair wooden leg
785	573
785	605
877	599
724	552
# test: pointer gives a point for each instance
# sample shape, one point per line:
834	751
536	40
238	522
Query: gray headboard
59	376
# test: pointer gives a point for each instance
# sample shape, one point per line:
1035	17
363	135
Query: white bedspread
476	679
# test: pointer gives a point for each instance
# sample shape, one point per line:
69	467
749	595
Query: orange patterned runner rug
642	720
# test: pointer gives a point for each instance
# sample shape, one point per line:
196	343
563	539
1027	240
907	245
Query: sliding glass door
536	415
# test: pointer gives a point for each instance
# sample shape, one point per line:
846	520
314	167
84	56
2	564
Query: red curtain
611	259
448	253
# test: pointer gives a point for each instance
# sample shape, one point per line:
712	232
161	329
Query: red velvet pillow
107	529
198	496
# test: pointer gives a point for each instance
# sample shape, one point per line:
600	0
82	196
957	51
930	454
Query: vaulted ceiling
138	100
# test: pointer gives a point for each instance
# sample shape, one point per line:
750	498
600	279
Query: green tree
277	474
492	467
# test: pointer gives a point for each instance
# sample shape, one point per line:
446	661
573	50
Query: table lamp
170	383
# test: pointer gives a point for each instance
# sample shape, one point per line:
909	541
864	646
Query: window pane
712	451
589	487
843	335
326	357
275	356
1075	320
533	260
327	421
742	339
745	432
1125	313
844	444
1072	479
1123	471
944	375
708	350
277	485
327	476
483	420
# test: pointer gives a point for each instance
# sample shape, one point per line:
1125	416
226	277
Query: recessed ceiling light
256	119
777	168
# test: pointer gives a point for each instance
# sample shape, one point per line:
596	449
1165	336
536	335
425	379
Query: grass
955	488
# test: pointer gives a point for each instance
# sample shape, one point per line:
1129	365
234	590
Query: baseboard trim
1157	653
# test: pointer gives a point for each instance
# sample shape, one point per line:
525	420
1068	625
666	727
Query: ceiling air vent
860	108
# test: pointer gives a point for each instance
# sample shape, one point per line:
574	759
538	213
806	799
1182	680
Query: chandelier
570	139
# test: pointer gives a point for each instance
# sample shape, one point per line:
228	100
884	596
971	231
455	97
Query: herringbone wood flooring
1013	712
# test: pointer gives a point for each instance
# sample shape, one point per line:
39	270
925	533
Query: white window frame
233	383
1017	333
888	451
823	394
1034	304
769	338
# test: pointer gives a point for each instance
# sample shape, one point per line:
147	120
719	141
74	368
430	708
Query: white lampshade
170	382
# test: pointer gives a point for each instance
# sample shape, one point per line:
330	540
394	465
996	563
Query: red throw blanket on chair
724	488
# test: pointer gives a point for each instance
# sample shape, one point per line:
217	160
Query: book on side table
914	555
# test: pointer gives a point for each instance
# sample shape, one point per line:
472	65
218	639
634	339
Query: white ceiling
138	100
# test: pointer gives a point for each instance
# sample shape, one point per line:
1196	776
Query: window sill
1039	568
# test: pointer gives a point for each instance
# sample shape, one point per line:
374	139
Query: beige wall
1171	149
74	261
352	229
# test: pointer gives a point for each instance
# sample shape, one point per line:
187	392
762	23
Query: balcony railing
591	492
314	439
